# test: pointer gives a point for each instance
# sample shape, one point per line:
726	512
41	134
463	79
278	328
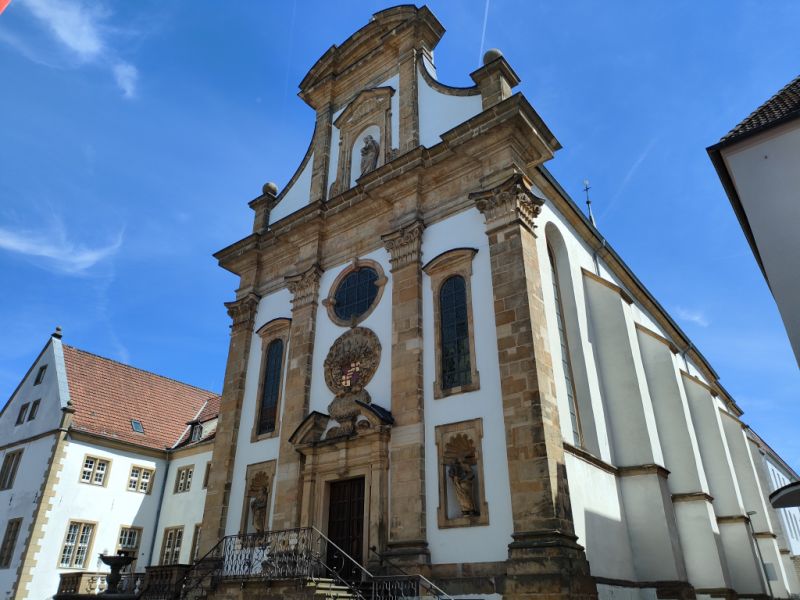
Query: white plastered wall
379	321
20	501
297	196
184	509
109	507
440	112
467	544
272	306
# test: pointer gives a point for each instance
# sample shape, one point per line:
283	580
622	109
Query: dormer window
197	431
40	375
137	426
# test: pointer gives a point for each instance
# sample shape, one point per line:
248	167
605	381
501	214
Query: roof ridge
122	364
743	126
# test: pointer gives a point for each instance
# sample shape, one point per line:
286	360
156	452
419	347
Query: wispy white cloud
126	76
55	250
79	27
690	315
73	24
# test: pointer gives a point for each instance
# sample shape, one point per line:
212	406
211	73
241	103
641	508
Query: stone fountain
117	562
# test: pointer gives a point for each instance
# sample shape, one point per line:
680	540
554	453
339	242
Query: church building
442	380
438	363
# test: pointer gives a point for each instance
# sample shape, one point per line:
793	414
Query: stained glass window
454	331
356	293
272	386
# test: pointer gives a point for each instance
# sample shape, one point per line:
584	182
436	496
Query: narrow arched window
454	330
271	387
566	362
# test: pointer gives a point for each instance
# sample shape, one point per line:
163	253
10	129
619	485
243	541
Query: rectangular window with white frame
8	471
77	545
140	480
171	546
128	543
94	470
9	542
183	479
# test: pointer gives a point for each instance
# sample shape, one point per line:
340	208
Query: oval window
355	294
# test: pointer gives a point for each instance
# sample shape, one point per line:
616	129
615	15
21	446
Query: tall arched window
271	387
566	362
454	330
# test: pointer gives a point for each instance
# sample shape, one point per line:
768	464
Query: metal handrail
430	585
353	560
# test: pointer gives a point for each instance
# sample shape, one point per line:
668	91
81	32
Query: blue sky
133	134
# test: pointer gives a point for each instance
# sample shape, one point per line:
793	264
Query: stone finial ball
270	188
491	54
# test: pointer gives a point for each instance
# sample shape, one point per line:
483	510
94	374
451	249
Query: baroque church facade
436	361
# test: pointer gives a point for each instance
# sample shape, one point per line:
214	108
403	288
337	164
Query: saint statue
369	155
258	508
463	482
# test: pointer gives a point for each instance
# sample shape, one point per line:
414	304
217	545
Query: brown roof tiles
107	395
782	106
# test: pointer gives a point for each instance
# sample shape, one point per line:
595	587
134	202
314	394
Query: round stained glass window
355	294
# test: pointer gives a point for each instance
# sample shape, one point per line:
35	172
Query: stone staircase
330	589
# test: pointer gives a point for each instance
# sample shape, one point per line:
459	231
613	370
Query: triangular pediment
367	104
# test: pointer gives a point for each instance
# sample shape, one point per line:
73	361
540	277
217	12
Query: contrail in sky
483	33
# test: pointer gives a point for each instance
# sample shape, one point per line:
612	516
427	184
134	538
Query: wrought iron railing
407	584
303	554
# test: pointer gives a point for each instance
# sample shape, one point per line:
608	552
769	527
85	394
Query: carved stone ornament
404	245
511	201
369	154
460	457
304	286
242	312
350	365
258	493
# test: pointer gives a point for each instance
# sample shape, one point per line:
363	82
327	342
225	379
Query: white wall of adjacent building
36	444
764	171
107	507
183	509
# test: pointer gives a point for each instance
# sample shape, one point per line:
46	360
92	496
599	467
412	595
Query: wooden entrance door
346	526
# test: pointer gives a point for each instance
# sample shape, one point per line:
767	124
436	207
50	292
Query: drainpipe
158	510
758	550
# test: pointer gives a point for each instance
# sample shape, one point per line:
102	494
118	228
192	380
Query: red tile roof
209	411
781	107
107	395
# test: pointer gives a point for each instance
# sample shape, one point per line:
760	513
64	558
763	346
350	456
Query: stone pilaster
544	557
409	99
407	535
304	287
322	151
242	313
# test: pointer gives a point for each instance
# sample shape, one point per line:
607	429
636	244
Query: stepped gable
107	395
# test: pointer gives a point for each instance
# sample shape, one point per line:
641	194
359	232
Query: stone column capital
510	202
304	286
243	311
405	244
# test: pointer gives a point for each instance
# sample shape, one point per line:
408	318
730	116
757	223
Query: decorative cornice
304	286
510	202
692	497
405	244
243	311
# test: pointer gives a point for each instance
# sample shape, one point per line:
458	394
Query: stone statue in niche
369	154
348	368
259	501
459	458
